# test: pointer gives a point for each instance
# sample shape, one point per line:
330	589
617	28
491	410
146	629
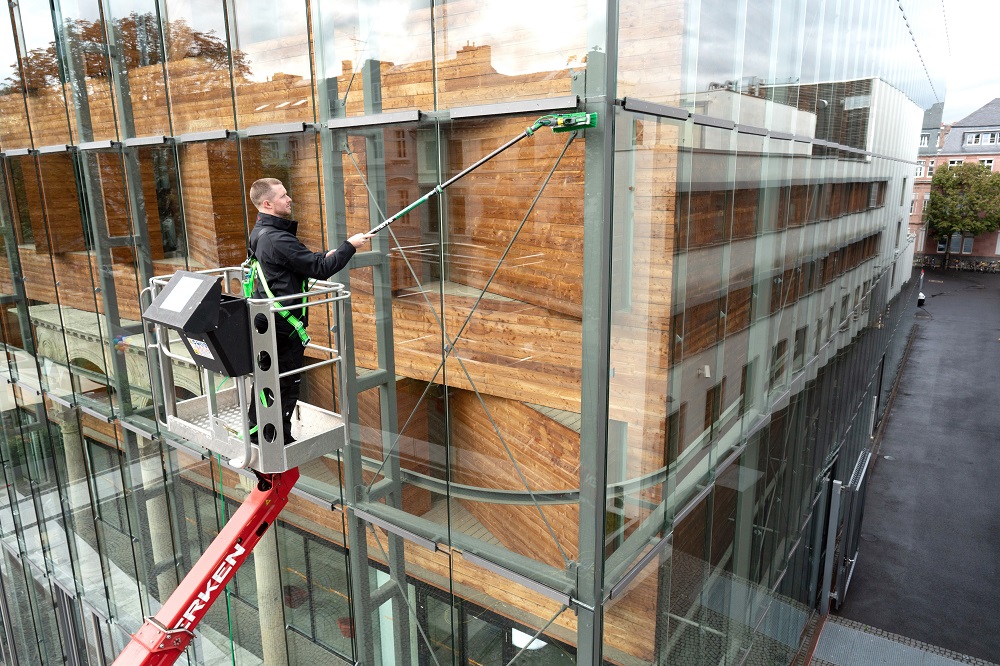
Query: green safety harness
251	271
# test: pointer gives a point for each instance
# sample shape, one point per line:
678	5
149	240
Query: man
287	265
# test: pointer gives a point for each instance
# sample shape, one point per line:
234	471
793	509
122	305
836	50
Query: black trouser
291	354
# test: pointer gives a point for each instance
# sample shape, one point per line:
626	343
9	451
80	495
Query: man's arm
318	265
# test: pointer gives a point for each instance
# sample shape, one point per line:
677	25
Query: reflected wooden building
603	389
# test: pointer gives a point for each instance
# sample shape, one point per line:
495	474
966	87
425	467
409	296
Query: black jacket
286	262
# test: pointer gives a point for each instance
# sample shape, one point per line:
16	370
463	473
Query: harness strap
251	271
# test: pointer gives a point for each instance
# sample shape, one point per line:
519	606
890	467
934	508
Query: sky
973	75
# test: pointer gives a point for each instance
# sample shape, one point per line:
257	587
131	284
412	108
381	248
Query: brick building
974	138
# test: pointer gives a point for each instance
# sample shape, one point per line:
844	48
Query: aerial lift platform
227	334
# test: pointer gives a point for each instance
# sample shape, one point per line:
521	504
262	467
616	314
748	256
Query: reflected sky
856	39
766	40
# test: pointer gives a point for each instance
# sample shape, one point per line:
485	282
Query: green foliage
965	199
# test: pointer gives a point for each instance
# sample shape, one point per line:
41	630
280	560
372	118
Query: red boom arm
163	638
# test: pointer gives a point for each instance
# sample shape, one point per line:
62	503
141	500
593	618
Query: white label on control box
200	348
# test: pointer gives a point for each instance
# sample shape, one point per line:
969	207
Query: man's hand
357	240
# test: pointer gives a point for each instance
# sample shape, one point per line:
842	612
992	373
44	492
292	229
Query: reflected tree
138	37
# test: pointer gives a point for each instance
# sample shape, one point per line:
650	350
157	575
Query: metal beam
599	97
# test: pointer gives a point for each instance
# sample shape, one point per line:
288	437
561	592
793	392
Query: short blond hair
262	189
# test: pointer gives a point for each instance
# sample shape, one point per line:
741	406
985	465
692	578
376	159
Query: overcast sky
973	76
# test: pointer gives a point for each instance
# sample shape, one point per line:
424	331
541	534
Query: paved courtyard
930	549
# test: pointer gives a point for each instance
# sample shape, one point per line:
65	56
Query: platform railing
218	419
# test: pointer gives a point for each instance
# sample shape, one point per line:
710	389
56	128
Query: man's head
268	195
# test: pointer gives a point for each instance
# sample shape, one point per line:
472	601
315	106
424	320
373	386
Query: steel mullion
598	237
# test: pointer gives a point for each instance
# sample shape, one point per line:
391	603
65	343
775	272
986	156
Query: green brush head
569	122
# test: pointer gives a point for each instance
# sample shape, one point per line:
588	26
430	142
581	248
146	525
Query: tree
965	199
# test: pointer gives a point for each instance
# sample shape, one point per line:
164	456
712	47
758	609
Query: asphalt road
930	540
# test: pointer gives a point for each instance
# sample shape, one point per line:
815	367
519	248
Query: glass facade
604	391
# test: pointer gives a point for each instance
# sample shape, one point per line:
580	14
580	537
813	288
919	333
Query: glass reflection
271	61
14	129
135	29
496	52
746	311
646	424
510	288
198	66
39	76
87	70
376	58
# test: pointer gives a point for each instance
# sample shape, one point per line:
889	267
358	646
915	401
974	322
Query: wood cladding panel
510	349
412	447
62	202
213	203
547	457
544	266
15	132
202	97
151	204
200	93
47	114
25	198
650	56
199	217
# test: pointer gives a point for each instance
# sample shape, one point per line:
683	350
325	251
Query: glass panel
539	630
499	52
27	214
377	57
636	621
511	284
703	250
136	30
271	63
649	35
239	621
75	325
15	325
74	464
694	628
50	643
26	639
315	590
403	431
646	420
214	211
39	75
118	257
403	631
117	531
87	70
713	57
14	128
198	70
74	562
148	505
31	477
203	496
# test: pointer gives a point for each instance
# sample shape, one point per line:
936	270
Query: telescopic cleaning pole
563	122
